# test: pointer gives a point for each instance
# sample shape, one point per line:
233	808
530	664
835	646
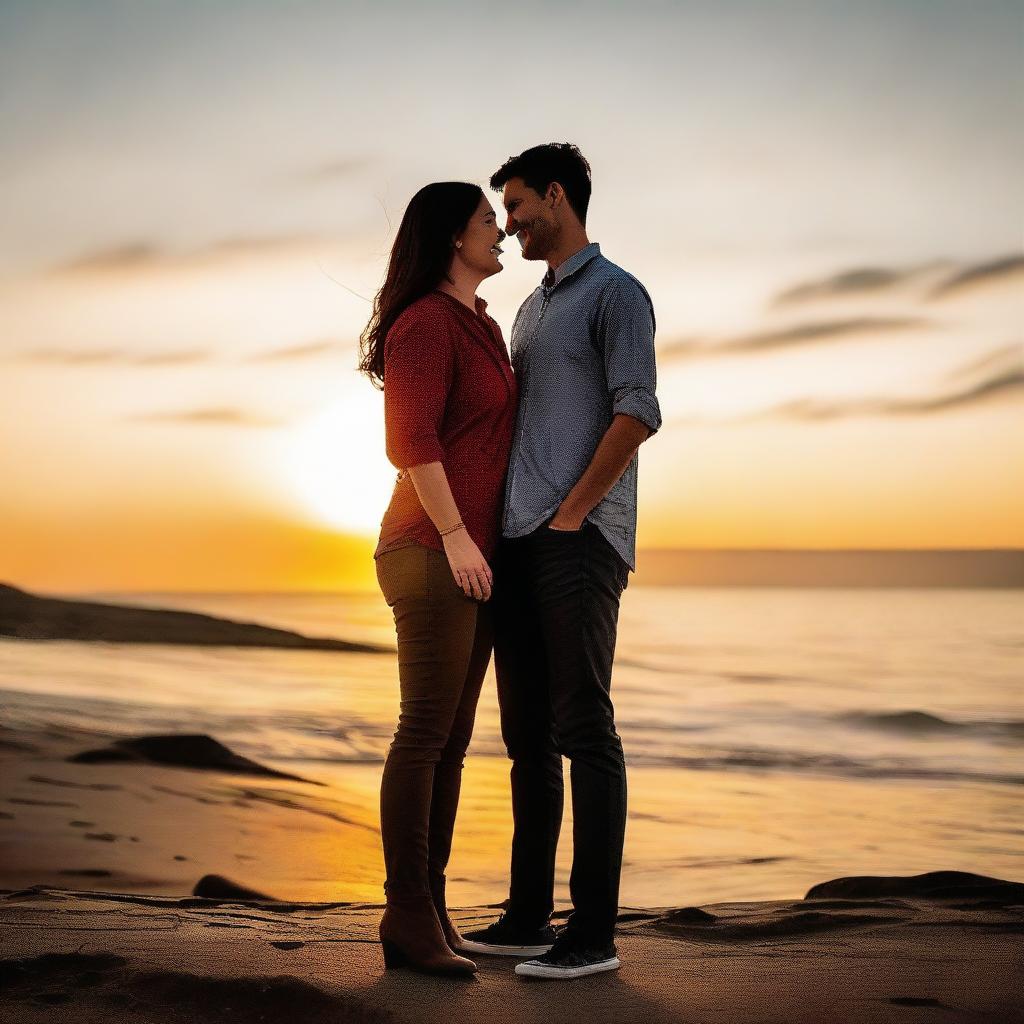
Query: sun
334	466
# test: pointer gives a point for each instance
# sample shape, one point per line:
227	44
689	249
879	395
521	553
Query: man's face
529	219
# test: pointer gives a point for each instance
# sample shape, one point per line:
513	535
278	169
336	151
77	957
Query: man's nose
510	225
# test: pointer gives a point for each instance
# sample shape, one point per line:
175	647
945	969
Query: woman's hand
468	565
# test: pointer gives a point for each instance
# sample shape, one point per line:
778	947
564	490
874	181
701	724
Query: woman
449	411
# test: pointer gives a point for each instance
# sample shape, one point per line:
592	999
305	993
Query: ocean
775	738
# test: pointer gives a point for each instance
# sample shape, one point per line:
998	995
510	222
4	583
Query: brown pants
444	646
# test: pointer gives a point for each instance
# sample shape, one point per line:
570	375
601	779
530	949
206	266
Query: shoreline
152	814
168	941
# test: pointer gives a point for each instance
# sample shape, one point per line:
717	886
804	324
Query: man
582	348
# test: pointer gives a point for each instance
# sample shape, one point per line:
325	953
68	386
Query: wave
751	760
926	723
295	738
824	764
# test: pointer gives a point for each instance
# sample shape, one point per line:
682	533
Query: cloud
680	348
113	357
787	337
222	417
1008	382
1009	357
183	358
1002	378
337	169
1006	268
858	281
140	255
313	348
107	357
128	256
868	281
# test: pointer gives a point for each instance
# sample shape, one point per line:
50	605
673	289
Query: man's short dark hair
554	161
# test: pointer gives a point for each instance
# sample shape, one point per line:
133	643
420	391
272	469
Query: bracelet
451	529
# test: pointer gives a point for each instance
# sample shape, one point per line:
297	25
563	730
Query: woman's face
480	241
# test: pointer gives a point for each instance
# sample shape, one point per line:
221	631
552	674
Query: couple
511	527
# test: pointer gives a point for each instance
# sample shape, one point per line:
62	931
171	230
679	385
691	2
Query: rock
28	617
183	751
934	885
217	887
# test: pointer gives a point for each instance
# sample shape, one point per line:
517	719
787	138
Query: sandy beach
744	314
108	909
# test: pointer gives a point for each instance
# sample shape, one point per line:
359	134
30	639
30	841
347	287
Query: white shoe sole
532	969
468	946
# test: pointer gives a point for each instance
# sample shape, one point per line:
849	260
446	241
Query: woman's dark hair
554	161
419	261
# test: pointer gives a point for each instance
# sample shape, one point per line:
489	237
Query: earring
458	245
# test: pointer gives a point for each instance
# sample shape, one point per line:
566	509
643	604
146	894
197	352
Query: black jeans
556	605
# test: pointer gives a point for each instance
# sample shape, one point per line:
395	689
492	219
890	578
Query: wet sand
125	891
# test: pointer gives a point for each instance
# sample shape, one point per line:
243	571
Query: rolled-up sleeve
626	331
418	370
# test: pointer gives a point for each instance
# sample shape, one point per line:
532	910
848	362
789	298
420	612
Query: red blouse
449	397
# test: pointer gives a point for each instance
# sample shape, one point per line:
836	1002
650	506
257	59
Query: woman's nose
501	236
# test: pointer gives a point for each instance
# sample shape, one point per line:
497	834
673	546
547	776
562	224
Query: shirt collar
570	266
481	304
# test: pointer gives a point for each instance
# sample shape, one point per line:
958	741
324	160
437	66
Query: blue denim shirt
582	348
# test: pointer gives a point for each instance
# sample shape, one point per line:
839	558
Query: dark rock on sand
217	887
689	915
934	885
197	751
28	617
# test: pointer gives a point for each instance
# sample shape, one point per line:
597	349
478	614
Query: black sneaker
504	938
569	957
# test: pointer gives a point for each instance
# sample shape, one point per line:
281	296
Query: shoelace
567	948
497	925
560	948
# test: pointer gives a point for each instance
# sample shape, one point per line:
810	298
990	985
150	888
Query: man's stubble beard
541	242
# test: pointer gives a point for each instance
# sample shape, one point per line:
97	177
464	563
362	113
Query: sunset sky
196	203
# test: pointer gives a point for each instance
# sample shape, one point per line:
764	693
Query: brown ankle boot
448	927
411	936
